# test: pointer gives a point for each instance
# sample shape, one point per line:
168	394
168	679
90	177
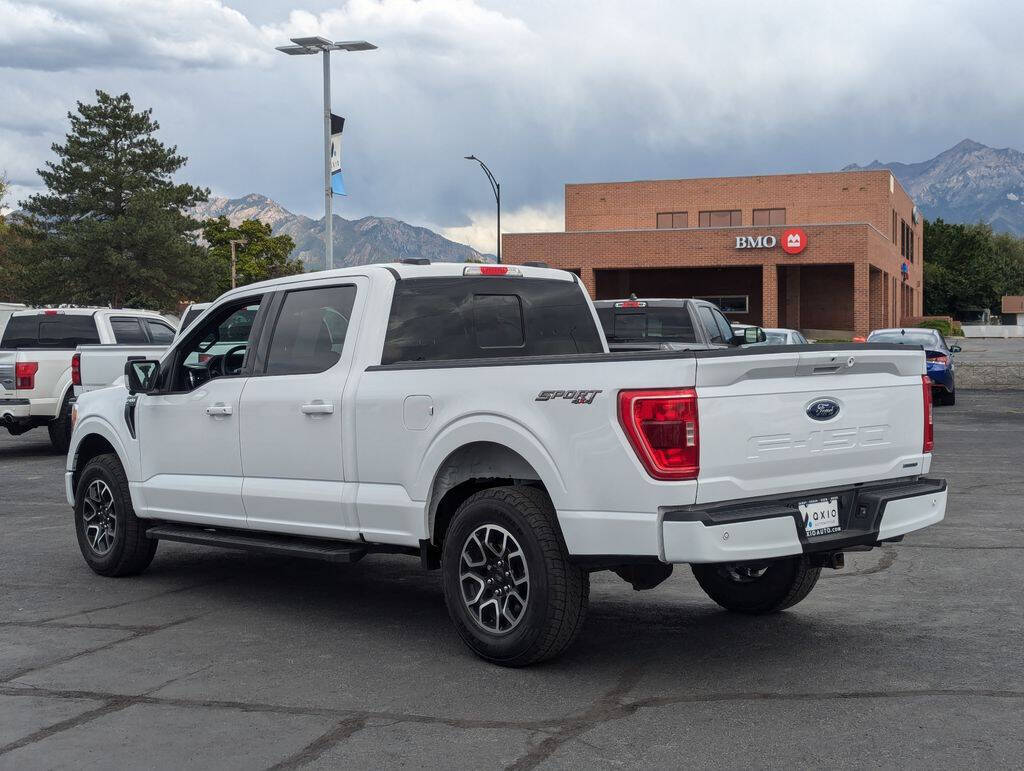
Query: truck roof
402	270
84	311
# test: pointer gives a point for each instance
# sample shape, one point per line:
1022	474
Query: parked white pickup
36	354
472	415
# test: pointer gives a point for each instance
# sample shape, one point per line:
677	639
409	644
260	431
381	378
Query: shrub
946	328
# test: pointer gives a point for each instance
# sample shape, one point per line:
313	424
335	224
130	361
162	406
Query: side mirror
750	335
140	375
955	349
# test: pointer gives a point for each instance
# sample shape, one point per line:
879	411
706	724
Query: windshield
905	337
632	325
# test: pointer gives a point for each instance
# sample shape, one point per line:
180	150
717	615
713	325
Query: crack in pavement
63	660
315	749
610	706
115	704
607	707
134	600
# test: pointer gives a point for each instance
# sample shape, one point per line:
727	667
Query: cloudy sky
545	91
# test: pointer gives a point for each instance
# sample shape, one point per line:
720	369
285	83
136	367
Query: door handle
215	410
318	407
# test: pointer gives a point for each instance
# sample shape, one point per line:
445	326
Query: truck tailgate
7	360
788	421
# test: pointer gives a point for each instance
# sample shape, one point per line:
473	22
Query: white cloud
481	233
141	34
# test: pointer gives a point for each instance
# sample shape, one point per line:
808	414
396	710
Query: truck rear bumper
735	531
15	408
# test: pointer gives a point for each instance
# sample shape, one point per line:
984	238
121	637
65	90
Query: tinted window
908	337
498	321
21	332
190	316
161	334
310	331
626	325
723	326
436	319
710	325
57	330
128	331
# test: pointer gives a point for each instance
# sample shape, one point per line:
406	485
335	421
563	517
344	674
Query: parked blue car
938	355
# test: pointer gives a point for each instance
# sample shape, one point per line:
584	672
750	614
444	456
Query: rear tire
112	539
60	427
946	398
758	588
511	591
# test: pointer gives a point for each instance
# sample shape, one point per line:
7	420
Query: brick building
831	254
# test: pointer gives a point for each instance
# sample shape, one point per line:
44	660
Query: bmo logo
793	241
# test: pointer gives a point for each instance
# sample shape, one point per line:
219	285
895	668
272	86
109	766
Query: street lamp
317	45
234	243
497	196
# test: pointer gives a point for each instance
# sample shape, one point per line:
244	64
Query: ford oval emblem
823	409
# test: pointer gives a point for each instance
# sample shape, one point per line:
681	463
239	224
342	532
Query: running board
266	543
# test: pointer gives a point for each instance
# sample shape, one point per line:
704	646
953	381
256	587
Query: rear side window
57	330
458	317
128	331
159	333
310	331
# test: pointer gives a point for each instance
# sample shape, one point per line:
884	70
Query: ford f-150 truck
473	416
669	325
37	371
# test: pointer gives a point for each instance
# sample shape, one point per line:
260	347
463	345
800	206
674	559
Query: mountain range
356	242
970	182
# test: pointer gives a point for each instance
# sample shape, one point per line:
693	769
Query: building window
729	303
769	217
672	219
720	219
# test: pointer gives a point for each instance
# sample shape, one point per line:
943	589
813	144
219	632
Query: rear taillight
939	359
76	369
25	375
929	429
664	429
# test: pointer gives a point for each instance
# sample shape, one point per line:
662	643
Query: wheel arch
97	438
472	467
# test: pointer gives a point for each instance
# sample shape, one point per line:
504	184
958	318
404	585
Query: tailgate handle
828	370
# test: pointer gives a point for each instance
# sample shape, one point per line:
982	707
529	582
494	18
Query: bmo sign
793	241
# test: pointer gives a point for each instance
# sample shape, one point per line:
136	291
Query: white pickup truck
37	367
473	416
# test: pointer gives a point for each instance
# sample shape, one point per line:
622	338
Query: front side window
707	319
128	331
218	348
310	331
737	303
463	317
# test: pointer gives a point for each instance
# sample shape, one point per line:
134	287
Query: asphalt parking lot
911	656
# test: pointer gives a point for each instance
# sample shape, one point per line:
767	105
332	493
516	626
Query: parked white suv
36	369
472	415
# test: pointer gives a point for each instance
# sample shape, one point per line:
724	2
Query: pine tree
112	225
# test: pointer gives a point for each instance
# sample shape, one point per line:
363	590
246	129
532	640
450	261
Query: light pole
497	196
235	242
317	45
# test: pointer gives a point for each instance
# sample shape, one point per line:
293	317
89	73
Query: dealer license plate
820	517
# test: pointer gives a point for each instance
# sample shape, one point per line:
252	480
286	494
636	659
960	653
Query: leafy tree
968	266
112	228
262	256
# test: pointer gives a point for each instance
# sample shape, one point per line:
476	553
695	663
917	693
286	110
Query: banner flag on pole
337	126
337	184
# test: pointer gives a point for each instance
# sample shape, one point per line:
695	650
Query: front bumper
764	528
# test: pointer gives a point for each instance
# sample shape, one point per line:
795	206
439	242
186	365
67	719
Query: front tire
758	588
511	591
112	539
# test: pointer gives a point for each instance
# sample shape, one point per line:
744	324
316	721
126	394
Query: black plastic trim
590	358
861	510
14	402
393	272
